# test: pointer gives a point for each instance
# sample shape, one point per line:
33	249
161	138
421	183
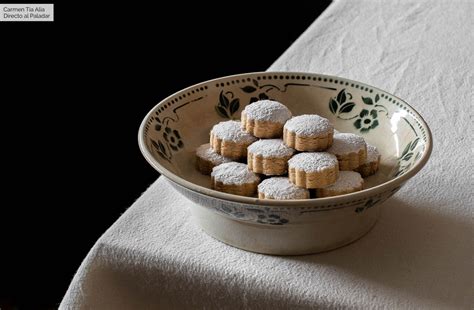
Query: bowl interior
179	124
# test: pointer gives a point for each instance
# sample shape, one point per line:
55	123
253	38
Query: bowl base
289	239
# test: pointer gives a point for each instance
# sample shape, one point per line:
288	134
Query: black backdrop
73	94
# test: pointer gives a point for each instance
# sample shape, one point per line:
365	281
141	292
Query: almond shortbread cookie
281	188
234	178
269	156
265	118
309	132
372	162
207	158
313	170
229	140
347	182
350	150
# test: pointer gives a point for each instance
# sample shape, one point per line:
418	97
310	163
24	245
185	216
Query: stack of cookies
284	157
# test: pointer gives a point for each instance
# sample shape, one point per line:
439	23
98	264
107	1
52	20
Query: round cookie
229	140
309	132
234	178
269	157
265	118
350	150
372	162
347	182
282	189
207	158
313	170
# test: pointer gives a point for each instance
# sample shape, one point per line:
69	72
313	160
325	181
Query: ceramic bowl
175	127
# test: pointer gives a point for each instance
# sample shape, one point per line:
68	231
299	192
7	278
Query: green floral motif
258	91
367	120
341	104
272	219
227	105
160	149
260	215
404	161
261	96
171	140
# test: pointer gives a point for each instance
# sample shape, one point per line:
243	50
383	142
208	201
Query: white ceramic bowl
172	130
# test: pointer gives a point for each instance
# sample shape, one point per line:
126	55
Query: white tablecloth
419	255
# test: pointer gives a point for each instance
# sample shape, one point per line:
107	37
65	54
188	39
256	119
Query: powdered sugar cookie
313	170
309	132
229	140
269	157
281	188
372	162
234	178
265	118
207	158
350	150
347	182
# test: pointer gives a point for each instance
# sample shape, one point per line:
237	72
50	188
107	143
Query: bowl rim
386	186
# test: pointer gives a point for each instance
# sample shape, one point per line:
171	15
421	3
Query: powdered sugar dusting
282	188
206	152
268	110
313	161
346	180
345	143
234	174
372	154
309	125
270	148
231	131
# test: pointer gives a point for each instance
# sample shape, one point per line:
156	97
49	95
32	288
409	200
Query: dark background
73	94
